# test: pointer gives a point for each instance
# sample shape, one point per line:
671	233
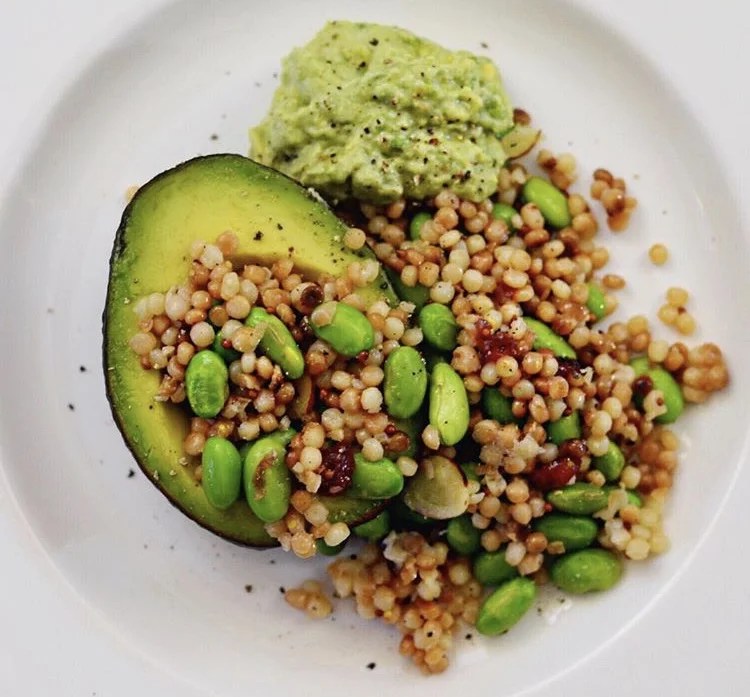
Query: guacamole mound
376	113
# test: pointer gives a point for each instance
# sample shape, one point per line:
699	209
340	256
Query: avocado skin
237	524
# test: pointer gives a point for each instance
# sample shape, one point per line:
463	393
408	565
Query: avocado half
273	217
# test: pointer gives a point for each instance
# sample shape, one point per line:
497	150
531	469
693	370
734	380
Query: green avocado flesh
198	200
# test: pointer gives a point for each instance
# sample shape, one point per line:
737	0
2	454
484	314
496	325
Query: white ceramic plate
170	600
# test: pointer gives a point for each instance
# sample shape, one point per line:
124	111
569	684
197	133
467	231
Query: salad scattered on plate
390	325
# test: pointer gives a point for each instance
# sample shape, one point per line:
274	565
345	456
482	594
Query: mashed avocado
376	113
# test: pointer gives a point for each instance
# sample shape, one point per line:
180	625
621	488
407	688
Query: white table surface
52	644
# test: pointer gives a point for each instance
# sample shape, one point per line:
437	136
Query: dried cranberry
569	368
553	475
504	293
493	345
574	449
642	386
337	469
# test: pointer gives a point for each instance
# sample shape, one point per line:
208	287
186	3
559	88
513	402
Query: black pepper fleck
279	226
371	666
469	637
484	44
248	588
374	42
258	236
71	406
131	473
282	590
82	369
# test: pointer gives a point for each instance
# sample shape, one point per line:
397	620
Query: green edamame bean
575	532
565	428
381	479
449	404
506	606
405	382
640	365
375	529
228	354
344	327
634	498
611	463
497	406
221	472
666	384
580	498
326	550
206	384
596	302
491	568
586	571
545	338
551	201
419	295
432	358
462	536
502	211
438	326
278	343
415	226
268	484
404	517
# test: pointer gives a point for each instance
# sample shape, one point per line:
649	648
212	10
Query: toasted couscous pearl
677	297
514	553
143	343
431	437
658	254
337	533
442	292
372	449
412	337
372	399
202	334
